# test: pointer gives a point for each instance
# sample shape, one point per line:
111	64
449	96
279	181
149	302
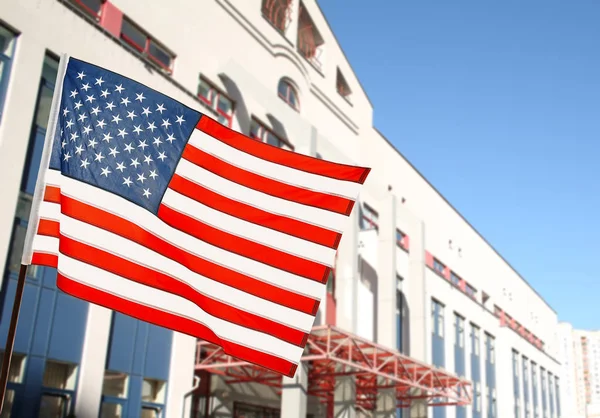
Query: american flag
150	208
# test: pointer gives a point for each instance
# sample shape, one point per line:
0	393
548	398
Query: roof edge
466	221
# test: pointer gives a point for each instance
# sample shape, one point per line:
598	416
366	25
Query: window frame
370	216
212	101
438	266
264	131
144	50
86	9
475	340
290	88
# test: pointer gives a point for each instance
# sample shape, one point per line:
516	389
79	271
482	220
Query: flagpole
12	333
32	225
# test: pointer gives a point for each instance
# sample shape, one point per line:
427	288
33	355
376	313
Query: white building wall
221	37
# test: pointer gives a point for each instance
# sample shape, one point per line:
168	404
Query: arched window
288	94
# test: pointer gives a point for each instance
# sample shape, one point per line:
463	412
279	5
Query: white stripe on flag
109	242
315	216
145	295
275	171
117	205
251	231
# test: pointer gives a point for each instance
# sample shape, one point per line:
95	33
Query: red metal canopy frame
331	352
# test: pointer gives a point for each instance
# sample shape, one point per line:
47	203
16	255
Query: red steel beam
331	352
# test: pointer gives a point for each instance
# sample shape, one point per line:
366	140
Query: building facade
579	355
412	275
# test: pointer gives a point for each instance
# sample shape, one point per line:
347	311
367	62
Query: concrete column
386	332
418	306
344	398
346	286
93	361
418	299
293	395
15	129
181	376
386	274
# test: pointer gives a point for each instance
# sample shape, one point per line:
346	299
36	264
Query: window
115	388
89	7
17	367
454	278
139	40
342	86
470	290
475	339
437	318
401	239
261	133
438	266
115	384
7	48
153	398
288	94
477	398
369	219
310	43
59	375
9	400
58	389
491	350
153	391
217	101
459	330
243	410
277	12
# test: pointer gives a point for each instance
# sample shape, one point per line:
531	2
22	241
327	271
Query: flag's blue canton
118	134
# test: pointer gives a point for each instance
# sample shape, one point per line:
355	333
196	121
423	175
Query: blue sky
497	103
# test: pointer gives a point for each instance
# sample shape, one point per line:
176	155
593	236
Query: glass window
49	73
54	405
17	367
288	94
90	7
459	326
115	384
259	132
369	218
133	35
111	410
153	391
59	375
7	42
277	12
217	101
438	266
454	278
9	400
159	54
475	339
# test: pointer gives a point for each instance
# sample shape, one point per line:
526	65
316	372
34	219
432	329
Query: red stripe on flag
146	276
254	215
129	230
280	156
52	194
48	227
44	259
267	185
244	247
172	321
